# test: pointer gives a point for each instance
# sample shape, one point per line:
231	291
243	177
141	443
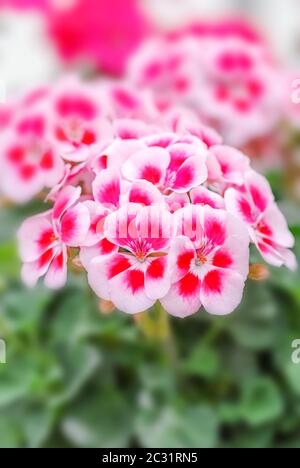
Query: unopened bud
77	263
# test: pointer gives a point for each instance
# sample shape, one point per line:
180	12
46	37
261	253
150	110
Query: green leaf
157	381
195	426
99	421
25	424
9	260
203	361
22	308
253	438
9	435
229	413
78	364
15	381
37	424
72	318
239	363
253	325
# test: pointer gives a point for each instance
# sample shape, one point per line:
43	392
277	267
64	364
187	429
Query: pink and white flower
53	136
208	261
268	229
183	120
111	193
135	277
125	101
240	90
226	167
45	238
78	122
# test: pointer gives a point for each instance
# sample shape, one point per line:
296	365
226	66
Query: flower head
29	161
99	32
150	201
209	261
137	275
255	205
230	81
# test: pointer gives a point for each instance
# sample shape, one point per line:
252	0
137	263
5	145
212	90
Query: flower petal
188	221
191	173
214	225
234	253
233	163
97	216
35	237
103	269
127	291
155	225
66	198
106	188
75	225
53	167
102	248
128	129
183	298
29	180
32	271
279	231
204	196
238	204
144	193
120	151
175	201
180	257
260	191
149	164
157	278
275	254
56	277
120	226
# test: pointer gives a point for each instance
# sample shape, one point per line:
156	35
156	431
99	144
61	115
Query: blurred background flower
81	374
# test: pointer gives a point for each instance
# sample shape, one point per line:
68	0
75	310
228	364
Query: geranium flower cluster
49	135
152	205
226	75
